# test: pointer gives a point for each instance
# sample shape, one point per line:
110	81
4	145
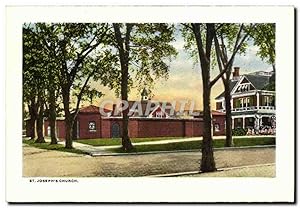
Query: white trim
239	82
249	93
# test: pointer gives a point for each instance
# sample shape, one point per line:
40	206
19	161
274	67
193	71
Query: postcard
152	104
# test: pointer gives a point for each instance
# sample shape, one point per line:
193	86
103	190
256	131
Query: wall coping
154	119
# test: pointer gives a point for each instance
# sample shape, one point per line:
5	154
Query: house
252	105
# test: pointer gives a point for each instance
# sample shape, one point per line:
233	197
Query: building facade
253	107
91	124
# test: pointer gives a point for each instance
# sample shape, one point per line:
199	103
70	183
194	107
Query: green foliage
239	132
263	36
150	51
226	33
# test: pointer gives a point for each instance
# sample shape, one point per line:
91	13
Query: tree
224	40
204	35
29	89
91	93
33	81
78	50
142	48
264	37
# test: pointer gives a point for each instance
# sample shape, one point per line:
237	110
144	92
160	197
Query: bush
239	132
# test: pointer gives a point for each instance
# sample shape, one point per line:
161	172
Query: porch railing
250	108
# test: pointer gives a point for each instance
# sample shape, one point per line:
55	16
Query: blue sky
185	77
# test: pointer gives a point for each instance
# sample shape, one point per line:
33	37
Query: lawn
47	146
118	141
192	145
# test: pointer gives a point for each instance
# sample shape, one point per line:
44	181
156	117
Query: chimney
236	73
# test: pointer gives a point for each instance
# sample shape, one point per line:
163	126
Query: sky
185	82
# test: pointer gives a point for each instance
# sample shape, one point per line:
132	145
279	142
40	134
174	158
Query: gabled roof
258	81
231	86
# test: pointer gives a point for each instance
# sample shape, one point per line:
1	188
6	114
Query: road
45	163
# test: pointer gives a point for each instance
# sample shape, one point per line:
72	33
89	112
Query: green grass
118	141
48	146
192	145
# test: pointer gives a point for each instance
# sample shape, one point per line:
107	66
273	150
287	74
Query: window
92	126
241	103
244	87
247	102
217	127
268	101
244	102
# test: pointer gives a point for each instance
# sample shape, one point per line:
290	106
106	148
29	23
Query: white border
279	189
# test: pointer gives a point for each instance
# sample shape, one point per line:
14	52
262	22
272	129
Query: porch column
257	100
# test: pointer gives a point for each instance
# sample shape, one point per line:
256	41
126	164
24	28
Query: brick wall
220	120
60	128
145	127
84	119
140	127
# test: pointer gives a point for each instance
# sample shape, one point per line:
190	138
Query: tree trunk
68	127
124	60
40	125
68	118
229	141
52	116
33	117
207	161
126	143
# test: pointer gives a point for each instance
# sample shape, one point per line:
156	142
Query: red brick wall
140	127
219	119
160	128
84	119
105	128
60	128
197	128
189	128
146	127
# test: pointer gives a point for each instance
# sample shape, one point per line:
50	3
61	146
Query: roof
231	86
92	109
213	113
258	81
217	113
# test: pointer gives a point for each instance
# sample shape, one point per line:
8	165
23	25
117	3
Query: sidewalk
259	170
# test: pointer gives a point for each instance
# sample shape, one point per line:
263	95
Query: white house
252	105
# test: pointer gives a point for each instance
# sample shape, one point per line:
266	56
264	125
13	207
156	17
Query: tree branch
236	49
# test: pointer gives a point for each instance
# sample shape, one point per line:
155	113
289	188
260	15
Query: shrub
239	132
